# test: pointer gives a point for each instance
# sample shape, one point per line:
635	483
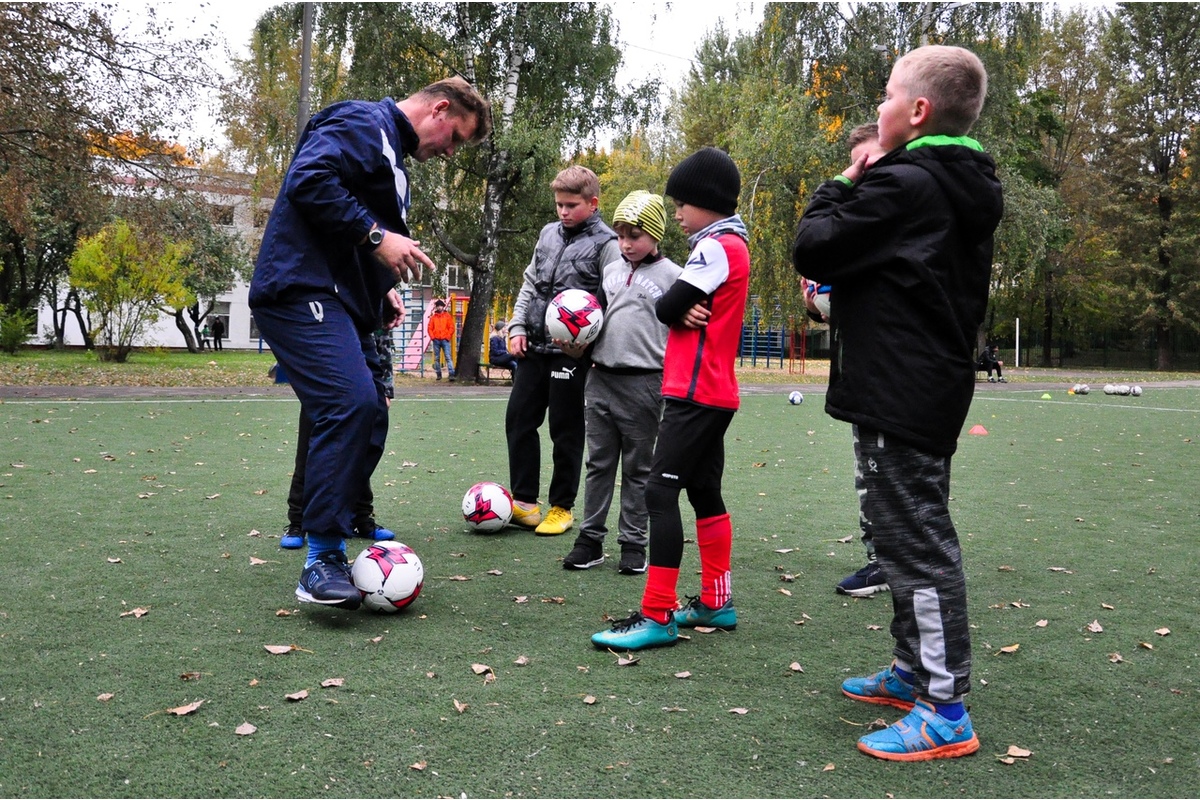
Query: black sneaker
866	582
327	581
293	537
633	561
586	554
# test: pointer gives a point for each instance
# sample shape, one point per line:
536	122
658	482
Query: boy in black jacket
908	244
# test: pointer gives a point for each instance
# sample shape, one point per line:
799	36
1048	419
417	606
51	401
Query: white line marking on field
1078	404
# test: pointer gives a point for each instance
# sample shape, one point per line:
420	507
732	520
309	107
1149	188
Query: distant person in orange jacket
441	331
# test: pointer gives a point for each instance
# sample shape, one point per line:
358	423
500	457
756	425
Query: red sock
659	599
714	538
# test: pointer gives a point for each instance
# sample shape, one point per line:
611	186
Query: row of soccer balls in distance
1110	388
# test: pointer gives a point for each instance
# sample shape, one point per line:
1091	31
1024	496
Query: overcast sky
659	36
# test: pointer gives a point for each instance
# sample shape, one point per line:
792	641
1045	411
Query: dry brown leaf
785	592
460	706
795	667
1059	569
1012	648
181	711
1116	658
1018	752
280	649
589	700
874	627
1005	568
521	661
376	640
521	598
673	708
828	768
1107	607
105	697
787	577
212	496
458	578
784	550
419	766
704	629
114	560
739	711
1163	631
254	562
494	572
683	675
1146	645
627	660
1041	623
190	676
136	613
845	540
283	612
254	681
1095	627
480	669
1006	759
245	729
296	697
558	600
330	683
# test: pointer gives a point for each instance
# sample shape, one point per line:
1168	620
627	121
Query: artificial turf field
140	573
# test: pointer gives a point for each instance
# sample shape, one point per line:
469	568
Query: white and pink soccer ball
487	507
574	316
389	575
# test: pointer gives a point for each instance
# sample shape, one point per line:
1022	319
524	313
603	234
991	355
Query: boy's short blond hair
862	134
954	81
577	180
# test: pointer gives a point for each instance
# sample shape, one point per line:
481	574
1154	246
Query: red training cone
978	430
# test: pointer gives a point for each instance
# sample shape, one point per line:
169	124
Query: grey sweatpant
621	413
907	498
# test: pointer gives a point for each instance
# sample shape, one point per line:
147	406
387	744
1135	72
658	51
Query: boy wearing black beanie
704	310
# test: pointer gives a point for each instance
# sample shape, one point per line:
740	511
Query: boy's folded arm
677	300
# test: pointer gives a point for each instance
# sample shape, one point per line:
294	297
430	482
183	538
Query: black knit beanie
707	178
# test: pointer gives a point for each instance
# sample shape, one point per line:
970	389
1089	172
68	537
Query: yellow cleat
558	520
526	515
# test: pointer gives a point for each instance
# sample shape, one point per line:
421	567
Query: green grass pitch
141	572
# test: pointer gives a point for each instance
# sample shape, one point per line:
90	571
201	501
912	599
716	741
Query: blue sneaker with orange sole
884	687
923	735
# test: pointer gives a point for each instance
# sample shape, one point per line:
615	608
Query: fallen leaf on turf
844	540
458	578
182	711
480	669
685	674
521	661
1041	623
114	561
673	708
739	711
785	592
1012	648
828	768
460	706
1107	607
419	766
281	649
1019	604
1005	568
494	572
1163	631
626	660
190	676
329	683
1006	759
704	629
785	550
296	697
1116	658
254	681
589	700
137	612
1146	645
874	627
105	697
558	600
1059	569
795	667
1095	627
254	562
521	598
1018	752
260	492
245	729
787	577
376	640
283	612
212	496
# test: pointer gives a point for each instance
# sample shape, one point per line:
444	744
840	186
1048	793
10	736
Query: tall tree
1153	58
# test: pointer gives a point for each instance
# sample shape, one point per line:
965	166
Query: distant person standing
441	331
218	332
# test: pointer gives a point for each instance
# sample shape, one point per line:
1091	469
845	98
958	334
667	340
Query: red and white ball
389	575
574	316
487	507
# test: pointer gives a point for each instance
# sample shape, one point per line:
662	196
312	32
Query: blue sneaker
327	581
922	736
884	687
293	537
697	615
864	583
637	633
370	529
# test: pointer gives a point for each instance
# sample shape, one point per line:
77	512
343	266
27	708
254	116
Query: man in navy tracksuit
333	250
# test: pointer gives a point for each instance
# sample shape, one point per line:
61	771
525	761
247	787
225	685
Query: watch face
375	237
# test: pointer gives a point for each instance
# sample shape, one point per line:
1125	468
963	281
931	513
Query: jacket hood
968	177
732	225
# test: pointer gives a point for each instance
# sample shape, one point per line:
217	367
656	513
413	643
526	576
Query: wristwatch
375	236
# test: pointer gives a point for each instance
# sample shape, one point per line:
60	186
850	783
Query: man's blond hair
577	180
465	101
954	81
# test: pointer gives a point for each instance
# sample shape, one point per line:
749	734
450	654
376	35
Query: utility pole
302	107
